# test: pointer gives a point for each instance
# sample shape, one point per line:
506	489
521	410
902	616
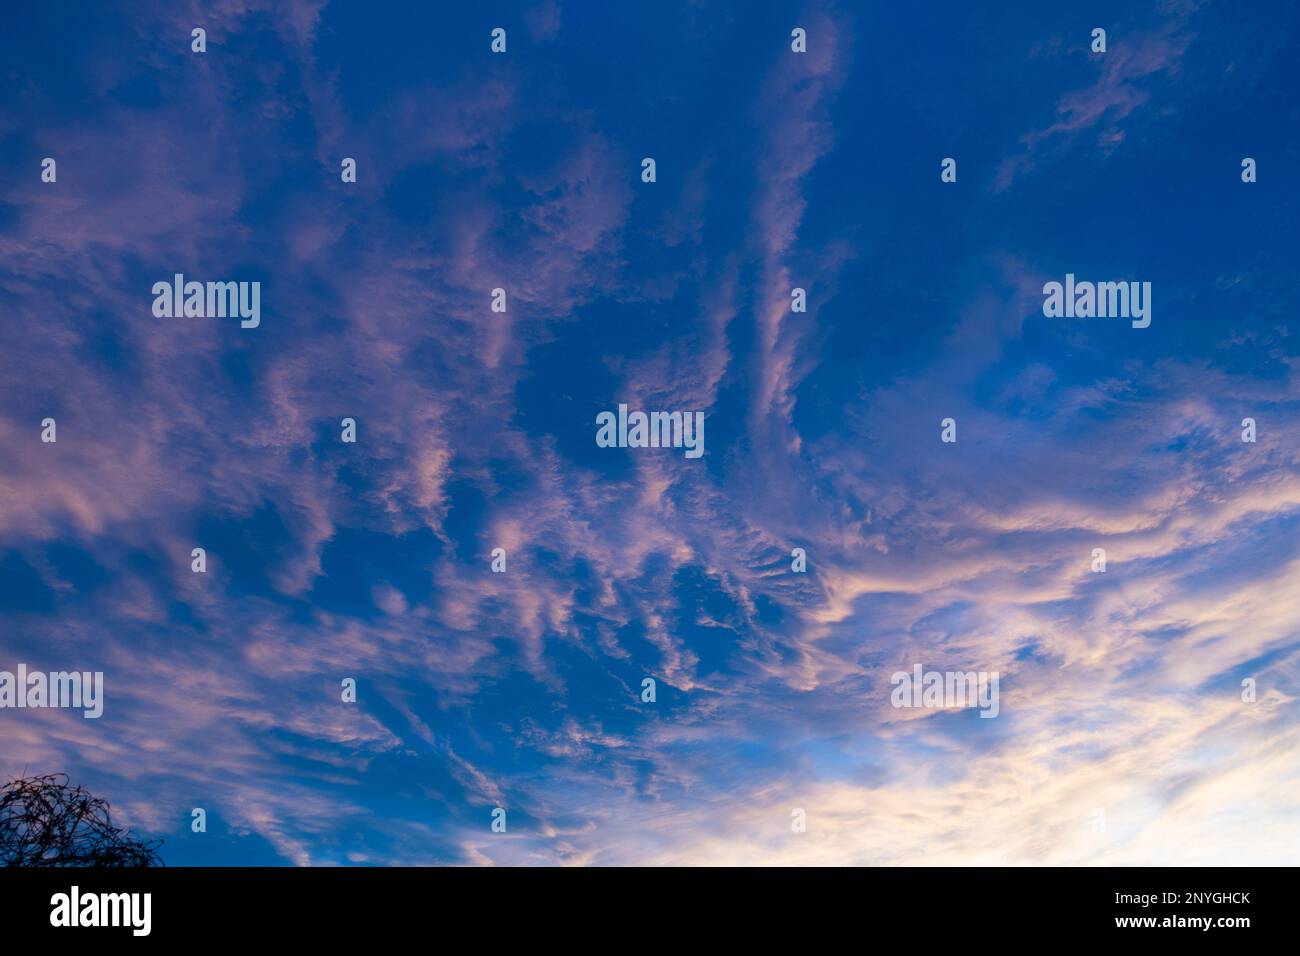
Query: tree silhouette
45	821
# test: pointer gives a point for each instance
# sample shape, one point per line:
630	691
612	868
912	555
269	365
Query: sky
1123	734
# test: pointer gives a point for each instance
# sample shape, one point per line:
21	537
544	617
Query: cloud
1121	691
1131	65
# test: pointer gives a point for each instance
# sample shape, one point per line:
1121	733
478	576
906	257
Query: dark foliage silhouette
45	821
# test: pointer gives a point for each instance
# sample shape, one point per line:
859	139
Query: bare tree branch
45	821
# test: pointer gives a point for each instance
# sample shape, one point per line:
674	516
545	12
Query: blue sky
1120	691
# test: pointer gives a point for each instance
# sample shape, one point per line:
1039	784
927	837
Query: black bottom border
938	908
